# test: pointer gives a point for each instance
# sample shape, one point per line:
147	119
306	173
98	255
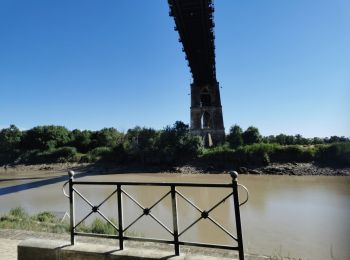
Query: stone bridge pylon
195	25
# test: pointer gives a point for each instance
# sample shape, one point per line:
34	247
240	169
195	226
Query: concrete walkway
8	249
9	240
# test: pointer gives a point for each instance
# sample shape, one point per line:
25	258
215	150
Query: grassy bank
18	218
262	154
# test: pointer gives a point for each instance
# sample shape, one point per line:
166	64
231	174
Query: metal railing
147	211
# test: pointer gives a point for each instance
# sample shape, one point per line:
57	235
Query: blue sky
284	66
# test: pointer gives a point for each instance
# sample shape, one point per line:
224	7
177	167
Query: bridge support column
206	113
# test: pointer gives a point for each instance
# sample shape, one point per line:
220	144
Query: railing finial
71	174
234	175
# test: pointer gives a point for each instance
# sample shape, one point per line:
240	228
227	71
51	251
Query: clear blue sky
284	66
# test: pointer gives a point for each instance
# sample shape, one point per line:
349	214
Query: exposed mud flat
297	169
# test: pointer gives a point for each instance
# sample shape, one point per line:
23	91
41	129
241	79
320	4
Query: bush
255	154
334	154
66	153
292	153
220	156
99	226
45	217
99	154
63	154
18	213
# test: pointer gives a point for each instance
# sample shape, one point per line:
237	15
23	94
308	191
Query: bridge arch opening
206	120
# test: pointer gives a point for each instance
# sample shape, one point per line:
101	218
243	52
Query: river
303	217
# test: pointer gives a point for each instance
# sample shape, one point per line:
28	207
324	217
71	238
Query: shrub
67	153
100	151
18	212
63	154
45	217
219	156
334	154
292	153
255	154
99	226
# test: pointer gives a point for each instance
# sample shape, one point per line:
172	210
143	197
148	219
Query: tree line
251	135
173	145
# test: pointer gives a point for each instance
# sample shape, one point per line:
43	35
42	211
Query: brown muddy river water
303	217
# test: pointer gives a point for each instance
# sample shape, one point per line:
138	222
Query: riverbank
56	169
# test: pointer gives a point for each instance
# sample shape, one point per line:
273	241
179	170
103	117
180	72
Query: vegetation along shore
174	149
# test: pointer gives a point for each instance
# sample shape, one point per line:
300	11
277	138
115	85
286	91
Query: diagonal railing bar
81	221
149	213
159	200
222	228
130	197
81	196
190	202
132	223
221	201
110	222
99	205
160	223
194	223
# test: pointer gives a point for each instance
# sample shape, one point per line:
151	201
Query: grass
18	218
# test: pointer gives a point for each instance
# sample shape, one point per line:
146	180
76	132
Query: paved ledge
40	249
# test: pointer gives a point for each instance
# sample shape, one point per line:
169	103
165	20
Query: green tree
46	137
235	138
10	138
81	140
251	135
106	137
177	145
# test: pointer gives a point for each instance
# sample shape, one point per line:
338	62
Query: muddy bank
297	169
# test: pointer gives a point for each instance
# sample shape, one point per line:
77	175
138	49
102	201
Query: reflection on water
299	216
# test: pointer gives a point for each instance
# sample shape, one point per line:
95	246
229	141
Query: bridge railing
174	193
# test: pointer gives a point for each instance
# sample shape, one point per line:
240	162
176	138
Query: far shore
45	170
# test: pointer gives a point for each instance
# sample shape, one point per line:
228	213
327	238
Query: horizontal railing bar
183	243
166	184
83	234
161	241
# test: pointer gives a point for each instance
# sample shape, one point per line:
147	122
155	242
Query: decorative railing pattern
147	211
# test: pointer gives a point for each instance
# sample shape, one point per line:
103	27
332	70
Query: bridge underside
195	25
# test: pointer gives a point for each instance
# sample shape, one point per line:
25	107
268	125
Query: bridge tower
194	23
206	113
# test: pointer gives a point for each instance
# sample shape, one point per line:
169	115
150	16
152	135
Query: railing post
71	207
234	176
120	217
175	226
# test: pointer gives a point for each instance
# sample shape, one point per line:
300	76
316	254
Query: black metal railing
147	211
